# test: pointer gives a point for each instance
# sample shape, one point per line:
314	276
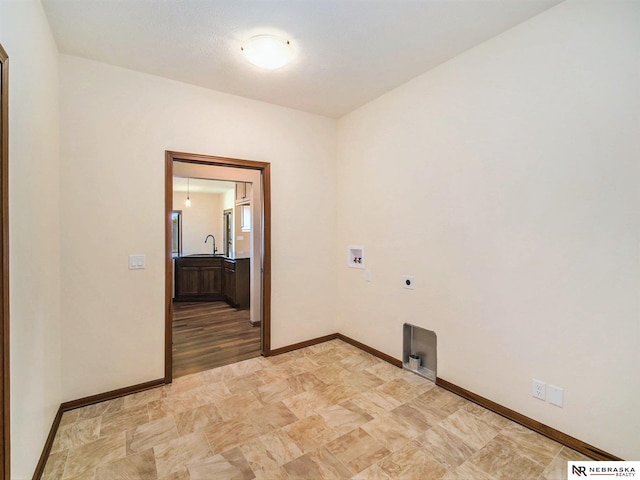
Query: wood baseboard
298	346
344	338
556	435
83	402
372	351
44	456
120	392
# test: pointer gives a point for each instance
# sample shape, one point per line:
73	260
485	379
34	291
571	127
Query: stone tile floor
329	411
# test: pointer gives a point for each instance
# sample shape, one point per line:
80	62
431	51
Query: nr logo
579	471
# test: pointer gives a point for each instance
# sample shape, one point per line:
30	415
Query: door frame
265	170
5	433
227	215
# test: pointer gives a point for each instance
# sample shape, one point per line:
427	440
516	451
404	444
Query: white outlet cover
538	389
556	396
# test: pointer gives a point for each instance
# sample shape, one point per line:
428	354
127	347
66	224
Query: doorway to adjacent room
210	319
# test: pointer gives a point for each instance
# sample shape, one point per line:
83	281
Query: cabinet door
210	281
243	192
230	285
188	281
243	283
245	218
240	192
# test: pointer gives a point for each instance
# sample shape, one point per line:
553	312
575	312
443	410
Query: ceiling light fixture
188	201
268	51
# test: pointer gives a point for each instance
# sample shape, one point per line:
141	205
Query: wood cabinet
245	217
243	193
198	279
237	282
208	279
229	275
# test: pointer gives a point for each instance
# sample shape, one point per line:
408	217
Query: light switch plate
136	262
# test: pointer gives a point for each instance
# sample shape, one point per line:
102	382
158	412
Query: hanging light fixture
188	202
268	51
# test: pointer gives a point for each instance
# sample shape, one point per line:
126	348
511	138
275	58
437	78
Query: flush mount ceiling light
268	51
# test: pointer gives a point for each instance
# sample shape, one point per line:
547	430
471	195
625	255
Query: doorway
260	269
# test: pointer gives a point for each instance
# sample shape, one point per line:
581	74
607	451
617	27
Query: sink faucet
214	243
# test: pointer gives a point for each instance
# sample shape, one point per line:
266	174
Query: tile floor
330	411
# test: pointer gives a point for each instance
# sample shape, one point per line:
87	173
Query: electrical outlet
556	395
538	389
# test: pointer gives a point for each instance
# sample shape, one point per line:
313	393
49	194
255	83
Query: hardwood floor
207	335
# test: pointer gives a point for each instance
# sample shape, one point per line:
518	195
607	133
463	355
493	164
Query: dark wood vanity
210	278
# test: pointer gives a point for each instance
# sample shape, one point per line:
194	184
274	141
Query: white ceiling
347	52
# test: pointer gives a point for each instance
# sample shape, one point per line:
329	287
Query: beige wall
115	127
514	172
229	200
34	230
203	218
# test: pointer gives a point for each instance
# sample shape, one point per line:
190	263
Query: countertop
208	255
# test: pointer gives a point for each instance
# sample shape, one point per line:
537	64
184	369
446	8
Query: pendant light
188	202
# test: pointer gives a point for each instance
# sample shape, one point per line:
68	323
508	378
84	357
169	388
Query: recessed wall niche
419	351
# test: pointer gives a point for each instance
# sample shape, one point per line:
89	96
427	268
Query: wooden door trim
265	170
227	216
5	437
